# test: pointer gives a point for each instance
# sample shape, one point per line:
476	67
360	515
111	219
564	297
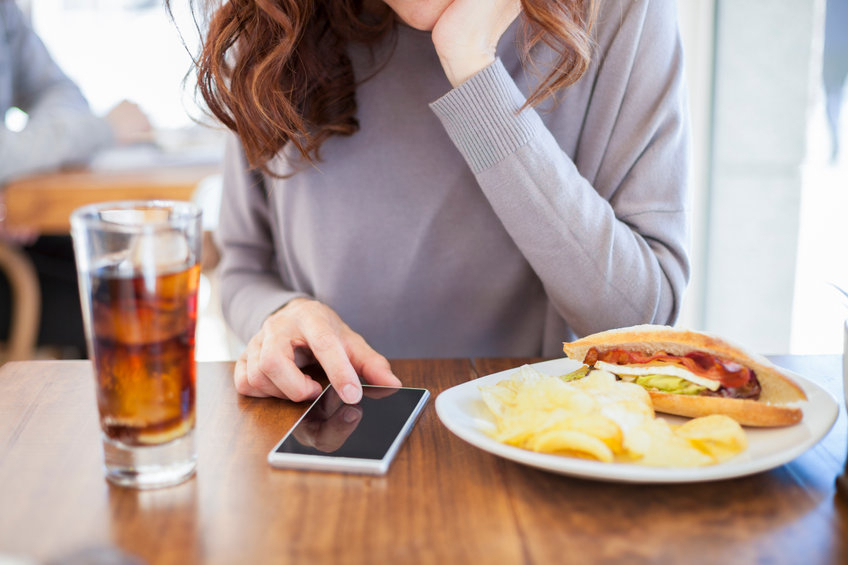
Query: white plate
461	409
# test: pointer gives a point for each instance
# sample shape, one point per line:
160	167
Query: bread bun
778	386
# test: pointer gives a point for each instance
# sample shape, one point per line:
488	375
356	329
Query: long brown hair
277	71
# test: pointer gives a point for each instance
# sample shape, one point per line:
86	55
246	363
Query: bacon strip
730	374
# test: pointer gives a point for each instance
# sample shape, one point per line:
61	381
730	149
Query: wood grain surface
443	501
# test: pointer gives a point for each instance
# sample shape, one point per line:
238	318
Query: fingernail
351	394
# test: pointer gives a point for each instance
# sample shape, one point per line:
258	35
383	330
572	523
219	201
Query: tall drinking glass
139	266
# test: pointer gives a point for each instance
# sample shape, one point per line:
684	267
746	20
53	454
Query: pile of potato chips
598	417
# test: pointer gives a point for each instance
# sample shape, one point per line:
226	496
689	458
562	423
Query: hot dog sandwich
693	374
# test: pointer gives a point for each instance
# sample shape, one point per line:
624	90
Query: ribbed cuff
481	117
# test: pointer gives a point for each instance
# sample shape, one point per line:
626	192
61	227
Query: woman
406	181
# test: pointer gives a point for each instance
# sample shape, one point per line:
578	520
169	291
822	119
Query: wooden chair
26	304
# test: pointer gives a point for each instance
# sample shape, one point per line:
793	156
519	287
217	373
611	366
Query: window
123	49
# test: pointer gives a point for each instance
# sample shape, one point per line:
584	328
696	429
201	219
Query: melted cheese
671	370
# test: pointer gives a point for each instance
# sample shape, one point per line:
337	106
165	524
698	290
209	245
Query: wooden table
44	202
443	501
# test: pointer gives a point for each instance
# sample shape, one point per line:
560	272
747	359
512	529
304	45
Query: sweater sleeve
605	261
251	285
61	128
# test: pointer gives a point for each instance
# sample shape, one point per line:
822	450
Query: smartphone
351	438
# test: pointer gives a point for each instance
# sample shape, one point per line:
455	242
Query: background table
44	202
443	501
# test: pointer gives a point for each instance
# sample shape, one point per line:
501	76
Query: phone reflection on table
330	421
328	424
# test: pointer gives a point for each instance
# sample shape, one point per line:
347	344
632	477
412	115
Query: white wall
750	140
697	33
764	58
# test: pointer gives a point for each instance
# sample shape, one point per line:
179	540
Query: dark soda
143	331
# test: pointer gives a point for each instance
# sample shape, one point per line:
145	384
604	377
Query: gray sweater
450	226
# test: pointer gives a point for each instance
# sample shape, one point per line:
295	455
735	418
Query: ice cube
163	249
135	216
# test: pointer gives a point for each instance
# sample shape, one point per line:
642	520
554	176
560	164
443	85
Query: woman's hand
466	35
268	368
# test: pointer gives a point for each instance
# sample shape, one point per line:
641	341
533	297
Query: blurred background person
60	130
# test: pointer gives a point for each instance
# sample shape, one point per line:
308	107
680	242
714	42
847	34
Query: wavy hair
277	71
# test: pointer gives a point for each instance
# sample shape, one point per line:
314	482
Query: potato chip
553	394
656	445
601	418
606	388
517	428
628	414
596	379
719	436
575	443
594	424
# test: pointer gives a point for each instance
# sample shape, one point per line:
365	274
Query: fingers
275	362
241	381
265	369
467	33
268	365
327	347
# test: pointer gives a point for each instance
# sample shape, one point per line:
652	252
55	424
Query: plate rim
818	425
